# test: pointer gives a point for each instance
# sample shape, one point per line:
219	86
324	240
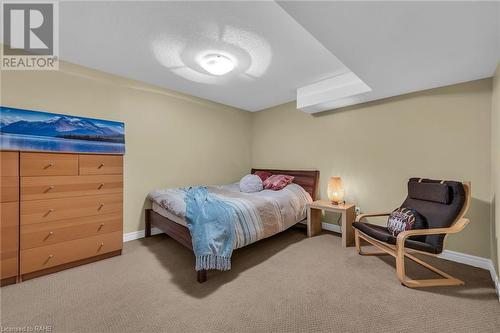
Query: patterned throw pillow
402	219
277	182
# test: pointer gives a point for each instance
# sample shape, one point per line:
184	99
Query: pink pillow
277	182
263	174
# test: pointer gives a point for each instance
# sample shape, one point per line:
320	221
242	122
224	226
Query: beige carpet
284	284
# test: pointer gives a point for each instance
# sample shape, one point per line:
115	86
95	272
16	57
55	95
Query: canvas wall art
28	130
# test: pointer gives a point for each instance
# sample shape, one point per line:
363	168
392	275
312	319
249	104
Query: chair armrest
362	216
457	227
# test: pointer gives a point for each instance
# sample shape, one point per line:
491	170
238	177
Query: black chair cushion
382	234
375	231
437	214
435	192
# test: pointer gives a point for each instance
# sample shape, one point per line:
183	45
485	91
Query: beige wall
495	170
171	139
375	147
175	139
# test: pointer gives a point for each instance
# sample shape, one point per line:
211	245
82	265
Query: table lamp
335	190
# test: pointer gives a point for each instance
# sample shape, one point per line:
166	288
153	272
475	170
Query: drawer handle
100	247
100	226
100	186
100	206
49	211
51	187
100	165
48	235
51	164
48	258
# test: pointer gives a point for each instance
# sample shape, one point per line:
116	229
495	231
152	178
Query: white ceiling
401	47
158	42
394	47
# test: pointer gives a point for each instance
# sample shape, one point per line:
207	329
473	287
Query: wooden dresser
9	217
70	210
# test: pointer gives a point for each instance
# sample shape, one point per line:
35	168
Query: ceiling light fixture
216	64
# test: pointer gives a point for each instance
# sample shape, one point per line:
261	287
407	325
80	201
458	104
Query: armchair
443	204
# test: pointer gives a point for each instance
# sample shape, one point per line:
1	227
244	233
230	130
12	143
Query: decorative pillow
277	182
263	174
250	184
402	219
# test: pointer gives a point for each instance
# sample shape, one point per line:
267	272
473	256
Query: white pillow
250	184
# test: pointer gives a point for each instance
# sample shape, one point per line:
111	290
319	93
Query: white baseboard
139	234
471	260
459	257
495	279
331	227
466	259
328	226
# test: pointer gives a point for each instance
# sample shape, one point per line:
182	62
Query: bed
168	220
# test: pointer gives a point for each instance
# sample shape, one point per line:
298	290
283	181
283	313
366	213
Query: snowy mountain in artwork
68	127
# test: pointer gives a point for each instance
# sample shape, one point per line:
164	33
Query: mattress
165	213
257	215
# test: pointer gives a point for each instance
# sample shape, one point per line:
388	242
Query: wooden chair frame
399	251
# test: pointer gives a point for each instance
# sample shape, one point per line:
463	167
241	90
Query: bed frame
309	180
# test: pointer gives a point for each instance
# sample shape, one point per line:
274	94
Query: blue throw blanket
211	223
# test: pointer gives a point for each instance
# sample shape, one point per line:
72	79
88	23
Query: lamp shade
335	190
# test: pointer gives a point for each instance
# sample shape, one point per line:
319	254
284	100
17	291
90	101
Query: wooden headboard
309	180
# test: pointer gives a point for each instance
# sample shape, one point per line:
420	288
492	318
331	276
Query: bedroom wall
495	171
175	140
171	139
375	147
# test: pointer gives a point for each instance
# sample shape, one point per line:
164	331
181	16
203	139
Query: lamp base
338	203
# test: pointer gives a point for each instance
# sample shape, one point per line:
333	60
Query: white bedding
165	213
259	214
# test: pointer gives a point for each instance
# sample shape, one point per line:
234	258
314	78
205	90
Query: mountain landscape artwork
42	131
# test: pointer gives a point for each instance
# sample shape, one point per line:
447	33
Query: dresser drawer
9	227
36	188
9	189
48	164
41	234
9	166
53	255
8	266
101	164
9	214
39	211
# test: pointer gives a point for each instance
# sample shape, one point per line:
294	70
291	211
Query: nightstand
315	216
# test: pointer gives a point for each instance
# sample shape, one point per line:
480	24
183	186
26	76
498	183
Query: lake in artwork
41	131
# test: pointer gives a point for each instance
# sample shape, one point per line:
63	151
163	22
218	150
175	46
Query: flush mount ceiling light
250	53
216	64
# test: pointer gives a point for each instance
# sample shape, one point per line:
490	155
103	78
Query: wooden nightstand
315	215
